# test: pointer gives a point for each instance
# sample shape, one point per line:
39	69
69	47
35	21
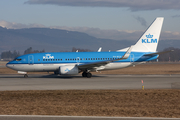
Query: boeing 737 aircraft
72	63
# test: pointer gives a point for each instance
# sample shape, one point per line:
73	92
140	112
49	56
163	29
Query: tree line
173	56
10	55
170	56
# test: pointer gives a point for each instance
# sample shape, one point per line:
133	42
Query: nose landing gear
25	76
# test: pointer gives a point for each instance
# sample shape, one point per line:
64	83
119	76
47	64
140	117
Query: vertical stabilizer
149	40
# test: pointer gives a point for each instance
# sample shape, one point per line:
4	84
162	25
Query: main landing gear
87	74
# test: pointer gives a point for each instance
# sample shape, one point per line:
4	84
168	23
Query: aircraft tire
89	75
84	74
25	76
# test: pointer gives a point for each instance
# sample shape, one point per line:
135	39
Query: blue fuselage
52	61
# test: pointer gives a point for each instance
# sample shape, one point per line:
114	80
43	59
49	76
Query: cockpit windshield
17	59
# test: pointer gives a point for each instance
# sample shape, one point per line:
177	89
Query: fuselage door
132	58
31	59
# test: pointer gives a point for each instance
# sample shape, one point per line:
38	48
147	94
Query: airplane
73	63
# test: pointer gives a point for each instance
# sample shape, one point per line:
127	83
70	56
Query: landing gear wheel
25	76
89	75
84	74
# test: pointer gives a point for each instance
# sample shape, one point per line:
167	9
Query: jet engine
68	70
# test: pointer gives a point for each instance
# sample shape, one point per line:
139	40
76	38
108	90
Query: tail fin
149	40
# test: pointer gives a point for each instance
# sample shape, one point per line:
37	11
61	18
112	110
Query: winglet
128	52
99	50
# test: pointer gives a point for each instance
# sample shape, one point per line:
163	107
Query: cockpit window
18	59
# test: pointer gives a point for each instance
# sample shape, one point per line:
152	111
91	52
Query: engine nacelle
68	70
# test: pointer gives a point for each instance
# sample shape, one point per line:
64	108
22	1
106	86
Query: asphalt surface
79	118
52	82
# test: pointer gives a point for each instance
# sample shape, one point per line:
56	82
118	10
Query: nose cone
9	65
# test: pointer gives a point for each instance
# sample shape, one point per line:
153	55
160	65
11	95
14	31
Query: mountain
55	40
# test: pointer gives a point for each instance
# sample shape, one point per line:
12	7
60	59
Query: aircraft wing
102	63
158	53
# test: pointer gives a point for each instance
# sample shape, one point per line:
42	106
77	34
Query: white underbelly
112	66
36	67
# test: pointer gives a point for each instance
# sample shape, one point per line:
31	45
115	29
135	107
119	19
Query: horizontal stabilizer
158	53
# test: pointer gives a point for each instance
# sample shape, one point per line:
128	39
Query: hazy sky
114	19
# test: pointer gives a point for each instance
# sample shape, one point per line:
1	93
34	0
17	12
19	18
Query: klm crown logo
149	36
149	39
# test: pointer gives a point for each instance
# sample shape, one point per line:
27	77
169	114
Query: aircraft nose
8	65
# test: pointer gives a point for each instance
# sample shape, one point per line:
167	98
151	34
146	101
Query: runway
52	82
39	117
